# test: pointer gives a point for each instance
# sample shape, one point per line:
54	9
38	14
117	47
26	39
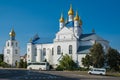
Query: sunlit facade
69	40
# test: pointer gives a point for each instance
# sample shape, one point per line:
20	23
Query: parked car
100	71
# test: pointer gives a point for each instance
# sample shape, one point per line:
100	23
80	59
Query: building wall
64	50
54	58
80	56
35	52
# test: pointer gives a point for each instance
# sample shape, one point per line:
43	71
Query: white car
100	71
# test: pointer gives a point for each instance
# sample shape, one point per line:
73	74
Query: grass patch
78	72
114	74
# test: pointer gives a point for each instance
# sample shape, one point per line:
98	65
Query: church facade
69	40
12	50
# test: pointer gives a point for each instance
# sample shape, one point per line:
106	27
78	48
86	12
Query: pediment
65	30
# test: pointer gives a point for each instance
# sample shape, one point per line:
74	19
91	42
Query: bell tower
12	50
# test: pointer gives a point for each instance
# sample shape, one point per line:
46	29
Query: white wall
80	56
39	48
64	49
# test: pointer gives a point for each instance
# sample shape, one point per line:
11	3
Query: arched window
12	44
16	62
8	44
8	51
52	51
16	44
70	49
44	51
16	51
58	50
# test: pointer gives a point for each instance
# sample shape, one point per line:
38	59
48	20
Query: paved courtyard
17	74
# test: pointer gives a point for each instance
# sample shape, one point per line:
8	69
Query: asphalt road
20	74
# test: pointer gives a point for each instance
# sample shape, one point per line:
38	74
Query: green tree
25	64
22	64
67	63
1	58
97	55
87	61
113	59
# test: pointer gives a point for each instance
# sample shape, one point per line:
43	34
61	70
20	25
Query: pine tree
113	59
87	61
97	55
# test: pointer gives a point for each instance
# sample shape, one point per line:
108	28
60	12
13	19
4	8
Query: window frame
70	49
44	51
58	50
35	54
52	51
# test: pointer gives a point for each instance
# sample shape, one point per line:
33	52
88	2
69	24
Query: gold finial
70	12
66	21
12	33
76	18
80	21
93	30
30	40
61	18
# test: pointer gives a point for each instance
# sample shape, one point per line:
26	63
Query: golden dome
70	12
76	18
61	18
12	33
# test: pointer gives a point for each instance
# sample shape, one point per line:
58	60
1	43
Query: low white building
69	40
12	50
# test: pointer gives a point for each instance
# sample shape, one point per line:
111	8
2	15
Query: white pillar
70	18
76	23
61	25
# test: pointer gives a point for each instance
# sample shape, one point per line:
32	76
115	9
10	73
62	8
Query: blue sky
29	17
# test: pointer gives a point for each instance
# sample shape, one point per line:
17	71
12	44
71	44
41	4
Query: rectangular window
16	52
58	50
35	51
8	51
70	49
16	44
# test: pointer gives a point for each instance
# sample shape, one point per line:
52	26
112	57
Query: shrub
5	65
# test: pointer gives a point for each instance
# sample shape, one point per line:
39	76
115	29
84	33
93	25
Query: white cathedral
12	50
69	40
